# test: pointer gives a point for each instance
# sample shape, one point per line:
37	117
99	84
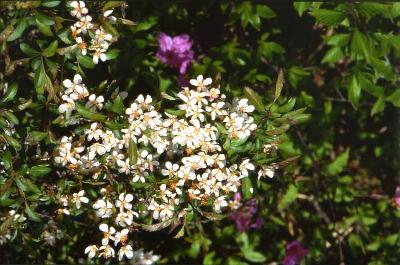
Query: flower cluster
99	38
180	156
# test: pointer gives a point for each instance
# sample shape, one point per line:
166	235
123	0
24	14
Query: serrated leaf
328	17
359	43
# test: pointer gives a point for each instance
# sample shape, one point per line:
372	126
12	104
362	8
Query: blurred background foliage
340	61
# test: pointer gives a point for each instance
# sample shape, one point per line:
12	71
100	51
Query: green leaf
340	39
11	92
133	152
354	91
19	29
46	20
31	214
289	197
112	54
246	186
359	43
338	165
253	256
45	29
25	48
328	17
378	106
10	116
40	77
118	105
265	11
254	98
333	55
394	98
301	7
13	142
88	114
51	50
50	3
85	61
39	170
278	85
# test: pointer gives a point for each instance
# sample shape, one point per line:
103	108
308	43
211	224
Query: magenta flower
175	51
396	198
294	253
245	215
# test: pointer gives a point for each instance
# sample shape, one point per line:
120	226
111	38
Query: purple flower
396	198
294	253
245	214
175	51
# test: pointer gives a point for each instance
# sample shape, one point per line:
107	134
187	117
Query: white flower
79	9
127	251
68	106
124	201
266	171
91	251
100	53
77	198
107	252
85	23
171	170
245	166
96	101
200	83
107	233
107	14
81	45
121	236
104	209
219	203
94	132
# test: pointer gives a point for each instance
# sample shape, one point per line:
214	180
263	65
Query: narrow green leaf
378	106
88	114
19	29
279	85
31	214
333	55
45	29
133	152
39	170
11	92
254	98
354	91
25	48
86	61
40	77
51	50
